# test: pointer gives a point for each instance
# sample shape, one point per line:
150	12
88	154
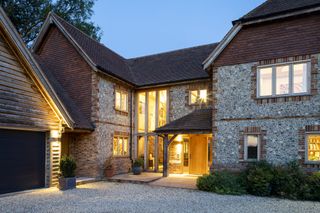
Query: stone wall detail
235	108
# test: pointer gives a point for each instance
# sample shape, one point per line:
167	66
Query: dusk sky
135	28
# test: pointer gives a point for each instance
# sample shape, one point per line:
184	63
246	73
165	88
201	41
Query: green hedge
222	183
263	179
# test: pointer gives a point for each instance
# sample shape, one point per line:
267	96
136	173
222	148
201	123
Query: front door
198	155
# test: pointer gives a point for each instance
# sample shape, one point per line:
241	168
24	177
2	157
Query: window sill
249	161
312	162
121	112
284	96
120	156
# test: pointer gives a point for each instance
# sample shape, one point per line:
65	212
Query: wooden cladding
55	161
21	103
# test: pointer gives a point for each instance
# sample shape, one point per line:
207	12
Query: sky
134	28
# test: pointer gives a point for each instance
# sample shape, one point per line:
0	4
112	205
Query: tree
29	15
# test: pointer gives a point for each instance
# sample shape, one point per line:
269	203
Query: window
198	96
141	111
120	146
162	110
151	111
283	80
252	148
121	101
313	147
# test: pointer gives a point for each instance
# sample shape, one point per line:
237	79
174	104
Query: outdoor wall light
55	134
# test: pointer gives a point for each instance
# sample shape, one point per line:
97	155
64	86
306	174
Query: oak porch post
165	155
166	143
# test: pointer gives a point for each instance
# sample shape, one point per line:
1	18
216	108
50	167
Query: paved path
186	182
124	197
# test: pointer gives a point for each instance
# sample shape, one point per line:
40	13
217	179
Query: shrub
288	181
312	187
258	179
67	167
221	183
138	162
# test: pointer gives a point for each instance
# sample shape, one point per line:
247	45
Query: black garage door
22	160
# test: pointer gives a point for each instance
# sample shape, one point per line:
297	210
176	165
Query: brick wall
277	39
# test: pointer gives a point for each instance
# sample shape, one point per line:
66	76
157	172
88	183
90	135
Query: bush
259	177
67	167
288	181
312	187
138	162
221	183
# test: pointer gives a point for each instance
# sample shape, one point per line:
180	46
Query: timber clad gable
21	103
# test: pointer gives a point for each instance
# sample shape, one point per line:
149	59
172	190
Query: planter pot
109	173
67	183
137	170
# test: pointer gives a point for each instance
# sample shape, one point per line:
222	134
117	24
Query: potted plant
137	166
67	178
109	169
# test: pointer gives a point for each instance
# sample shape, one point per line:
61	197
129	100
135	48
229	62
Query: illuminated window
251	147
313	147
140	147
121	101
286	79
198	96
151	111
141	112
120	146
162	111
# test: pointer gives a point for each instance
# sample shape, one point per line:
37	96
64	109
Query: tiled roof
276	7
174	66
197	121
80	122
105	59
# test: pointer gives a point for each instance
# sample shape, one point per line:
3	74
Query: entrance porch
187	144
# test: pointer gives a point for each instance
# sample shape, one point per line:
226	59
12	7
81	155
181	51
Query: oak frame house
253	96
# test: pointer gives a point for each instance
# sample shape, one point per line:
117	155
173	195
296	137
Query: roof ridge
255	9
99	43
171	51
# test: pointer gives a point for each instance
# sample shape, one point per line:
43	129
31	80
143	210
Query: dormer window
288	79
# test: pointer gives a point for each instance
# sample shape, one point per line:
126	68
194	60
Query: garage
22	160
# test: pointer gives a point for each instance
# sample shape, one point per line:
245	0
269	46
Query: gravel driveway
123	197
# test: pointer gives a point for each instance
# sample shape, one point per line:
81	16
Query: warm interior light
179	149
179	138
55	134
203	95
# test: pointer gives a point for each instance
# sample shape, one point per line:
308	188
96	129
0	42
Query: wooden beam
166	143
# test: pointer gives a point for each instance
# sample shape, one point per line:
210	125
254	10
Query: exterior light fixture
55	134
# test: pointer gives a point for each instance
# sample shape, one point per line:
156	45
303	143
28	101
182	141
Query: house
252	96
122	101
32	117
265	75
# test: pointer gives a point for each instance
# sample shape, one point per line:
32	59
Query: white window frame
123	143
245	157
198	97
121	103
307	148
291	93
